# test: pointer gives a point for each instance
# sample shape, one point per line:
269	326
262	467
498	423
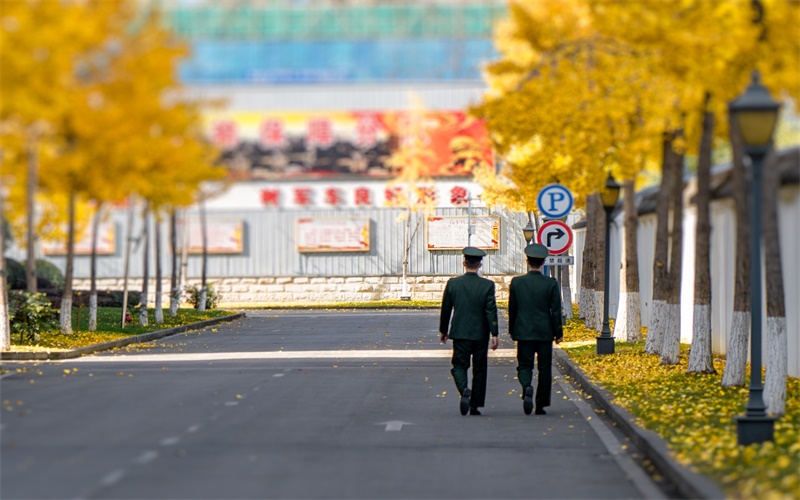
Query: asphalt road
298	405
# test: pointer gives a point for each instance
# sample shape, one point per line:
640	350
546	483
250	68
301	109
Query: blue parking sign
554	201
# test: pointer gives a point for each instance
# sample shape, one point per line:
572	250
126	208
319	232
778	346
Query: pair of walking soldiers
534	322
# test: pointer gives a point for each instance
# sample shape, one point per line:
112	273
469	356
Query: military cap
473	252
536	250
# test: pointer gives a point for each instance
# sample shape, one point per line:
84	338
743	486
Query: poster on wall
106	242
452	232
225	236
344	144
325	234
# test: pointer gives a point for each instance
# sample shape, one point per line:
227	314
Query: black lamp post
610	195
527	232
755	113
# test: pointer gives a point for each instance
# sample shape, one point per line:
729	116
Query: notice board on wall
451	232
224	235
332	234
106	242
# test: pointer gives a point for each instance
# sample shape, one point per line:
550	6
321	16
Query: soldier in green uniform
534	322
474	319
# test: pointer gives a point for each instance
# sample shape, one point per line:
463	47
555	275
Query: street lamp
527	232
610	195
755	113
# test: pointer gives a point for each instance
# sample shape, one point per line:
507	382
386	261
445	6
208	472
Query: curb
689	484
134	339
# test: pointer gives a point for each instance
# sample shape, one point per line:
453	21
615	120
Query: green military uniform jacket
534	308
475	316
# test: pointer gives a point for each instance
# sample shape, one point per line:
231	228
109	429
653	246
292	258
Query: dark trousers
543	350
478	350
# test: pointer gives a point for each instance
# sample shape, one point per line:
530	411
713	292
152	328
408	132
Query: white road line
113	478
147	457
193	428
231	403
279	375
445	352
6	375
170	441
638	477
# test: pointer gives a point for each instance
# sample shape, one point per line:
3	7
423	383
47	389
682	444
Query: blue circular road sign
554	201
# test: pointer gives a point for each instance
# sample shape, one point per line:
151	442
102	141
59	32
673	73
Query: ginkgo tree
568	105
100	79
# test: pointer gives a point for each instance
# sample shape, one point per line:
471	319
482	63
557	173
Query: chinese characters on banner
348	195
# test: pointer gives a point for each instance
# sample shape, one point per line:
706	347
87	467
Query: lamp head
755	112
528	231
610	194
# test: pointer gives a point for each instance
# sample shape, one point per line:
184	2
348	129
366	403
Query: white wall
723	255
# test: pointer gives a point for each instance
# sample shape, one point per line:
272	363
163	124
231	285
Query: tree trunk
777	341
65	316
93	271
738	336
404	293
174	291
201	306
158	313
599	280
146	261
30	212
5	327
658	317
586	304
127	259
628	324
671	347
700	357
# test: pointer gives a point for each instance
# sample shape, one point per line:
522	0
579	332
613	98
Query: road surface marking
170	441
394	425
147	457
231	403
113	478
444	352
279	375
193	428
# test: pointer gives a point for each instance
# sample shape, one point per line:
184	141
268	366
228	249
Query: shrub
48	275
212	299
30	314
16	275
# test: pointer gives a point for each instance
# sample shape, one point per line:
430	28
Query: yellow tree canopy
567	104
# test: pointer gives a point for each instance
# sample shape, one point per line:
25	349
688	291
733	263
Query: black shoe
527	400
474	411
540	411
464	405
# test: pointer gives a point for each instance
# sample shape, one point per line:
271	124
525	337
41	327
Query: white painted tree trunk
628	323
583	303
671	346
5	326
777	366
65	316
597	309
93	311
700	356
159	312
201	304
736	350
174	299
658	325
